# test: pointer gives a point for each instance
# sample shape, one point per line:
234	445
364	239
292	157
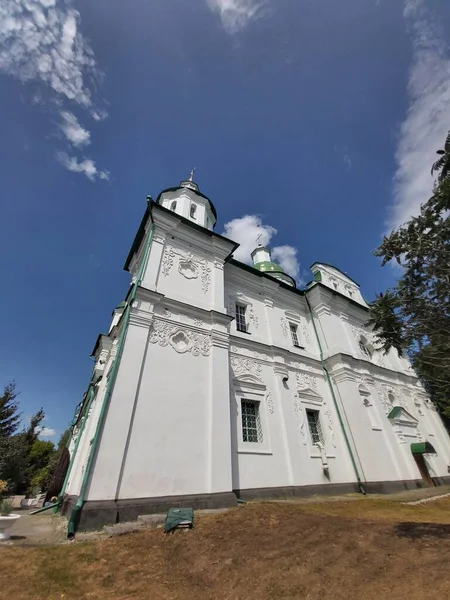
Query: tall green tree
9	410
16	464
414	316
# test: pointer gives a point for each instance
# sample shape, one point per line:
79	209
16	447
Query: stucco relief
306	381
260	355
269	402
377	355
300	416
189	265
284	327
181	340
241	365
327	413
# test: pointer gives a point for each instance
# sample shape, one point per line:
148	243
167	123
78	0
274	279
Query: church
220	382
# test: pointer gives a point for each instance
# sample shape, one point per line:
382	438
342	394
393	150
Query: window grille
315	428
241	324
294	334
251	421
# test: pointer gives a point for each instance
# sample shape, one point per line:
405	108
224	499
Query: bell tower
187	201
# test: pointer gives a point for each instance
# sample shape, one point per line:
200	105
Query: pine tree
9	415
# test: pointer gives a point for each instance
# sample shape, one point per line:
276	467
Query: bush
5	507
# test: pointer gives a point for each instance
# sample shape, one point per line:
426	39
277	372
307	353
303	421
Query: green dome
276	271
268	267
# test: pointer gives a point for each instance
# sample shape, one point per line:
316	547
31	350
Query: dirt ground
345	549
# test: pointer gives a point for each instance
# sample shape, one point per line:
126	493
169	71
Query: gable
399	415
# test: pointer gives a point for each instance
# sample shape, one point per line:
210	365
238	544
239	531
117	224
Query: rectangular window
294	334
251	421
315	428
241	324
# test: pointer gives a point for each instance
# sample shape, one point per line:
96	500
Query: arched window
391	398
193	211
173	206
364	347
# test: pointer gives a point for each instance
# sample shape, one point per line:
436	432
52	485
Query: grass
361	549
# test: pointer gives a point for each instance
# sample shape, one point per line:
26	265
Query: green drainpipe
91	396
330	384
71	528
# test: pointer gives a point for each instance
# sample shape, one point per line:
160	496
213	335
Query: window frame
318	424
293	329
245	429
241	319
247	387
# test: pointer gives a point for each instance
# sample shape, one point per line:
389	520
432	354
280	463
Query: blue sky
316	119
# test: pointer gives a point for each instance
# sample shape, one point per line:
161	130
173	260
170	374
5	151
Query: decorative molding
269	402
182	340
284	326
241	365
300	416
158	238
218	264
189	265
260	355
306	381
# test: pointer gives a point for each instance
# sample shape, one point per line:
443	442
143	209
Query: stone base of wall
335	489
328	489
97	513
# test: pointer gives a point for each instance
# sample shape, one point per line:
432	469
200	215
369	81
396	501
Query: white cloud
87	166
46	432
428	118
287	257
248	231
235	14
74	132
40	40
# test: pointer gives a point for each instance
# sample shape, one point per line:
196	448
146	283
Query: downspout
330	384
71	528
77	443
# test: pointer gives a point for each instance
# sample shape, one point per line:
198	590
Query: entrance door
422	465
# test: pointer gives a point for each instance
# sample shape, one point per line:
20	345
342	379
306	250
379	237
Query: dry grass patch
435	511
258	552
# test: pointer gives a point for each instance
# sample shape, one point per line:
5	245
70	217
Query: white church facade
220	382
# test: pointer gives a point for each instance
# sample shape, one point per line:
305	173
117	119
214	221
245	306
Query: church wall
112	448
287	456
168	449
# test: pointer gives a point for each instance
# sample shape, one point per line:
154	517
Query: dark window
294	335
315	428
251	422
173	206
193	211
241	324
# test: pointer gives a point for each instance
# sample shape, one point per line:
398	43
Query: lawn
360	548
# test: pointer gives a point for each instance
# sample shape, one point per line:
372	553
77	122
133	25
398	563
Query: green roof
395	412
422	448
268	266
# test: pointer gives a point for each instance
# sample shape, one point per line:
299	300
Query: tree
9	410
443	164
414	316
15	455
